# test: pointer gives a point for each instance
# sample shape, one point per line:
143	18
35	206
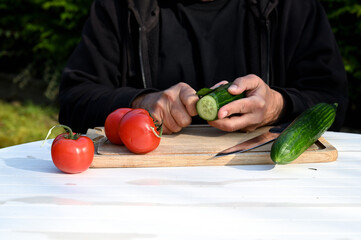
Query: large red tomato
139	132
72	153
111	126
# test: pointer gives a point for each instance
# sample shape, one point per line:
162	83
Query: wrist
278	107
136	103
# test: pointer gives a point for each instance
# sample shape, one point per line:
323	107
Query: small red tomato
72	153
138	131
111	126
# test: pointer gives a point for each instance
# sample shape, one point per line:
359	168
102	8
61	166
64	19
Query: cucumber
213	99
303	132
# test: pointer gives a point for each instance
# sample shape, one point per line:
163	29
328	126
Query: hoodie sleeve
314	68
91	86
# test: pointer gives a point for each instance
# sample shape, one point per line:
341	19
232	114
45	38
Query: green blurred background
37	37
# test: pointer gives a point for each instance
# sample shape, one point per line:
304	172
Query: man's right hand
174	106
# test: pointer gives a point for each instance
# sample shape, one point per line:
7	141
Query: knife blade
260	140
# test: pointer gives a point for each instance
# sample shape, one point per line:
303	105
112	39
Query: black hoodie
289	44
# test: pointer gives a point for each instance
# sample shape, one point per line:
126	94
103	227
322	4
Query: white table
291	202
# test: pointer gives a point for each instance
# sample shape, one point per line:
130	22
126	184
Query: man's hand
261	106
174	106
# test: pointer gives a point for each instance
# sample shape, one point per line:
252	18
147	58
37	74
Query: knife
255	142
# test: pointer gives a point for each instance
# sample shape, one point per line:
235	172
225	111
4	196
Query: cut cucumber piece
207	108
209	104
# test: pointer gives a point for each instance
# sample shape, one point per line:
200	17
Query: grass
26	122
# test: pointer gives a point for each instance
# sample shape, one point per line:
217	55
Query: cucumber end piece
207	108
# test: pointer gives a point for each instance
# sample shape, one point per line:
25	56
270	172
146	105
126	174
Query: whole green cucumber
303	132
213	99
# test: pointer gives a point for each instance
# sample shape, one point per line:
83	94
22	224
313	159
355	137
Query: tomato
139	132
111	126
72	153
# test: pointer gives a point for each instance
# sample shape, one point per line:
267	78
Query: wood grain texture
196	146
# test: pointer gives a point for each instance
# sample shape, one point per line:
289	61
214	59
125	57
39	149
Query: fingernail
233	88
215	86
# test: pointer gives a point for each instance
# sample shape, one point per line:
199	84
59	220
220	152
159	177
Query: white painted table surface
295	201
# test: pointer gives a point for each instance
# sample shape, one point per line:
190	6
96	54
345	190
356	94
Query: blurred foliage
345	19
37	37
21	123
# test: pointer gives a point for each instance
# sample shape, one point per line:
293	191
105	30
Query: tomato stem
155	132
157	125
160	128
70	134
69	131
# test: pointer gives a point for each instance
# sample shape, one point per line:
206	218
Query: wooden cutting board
196	146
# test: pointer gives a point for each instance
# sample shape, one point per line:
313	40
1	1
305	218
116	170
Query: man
155	54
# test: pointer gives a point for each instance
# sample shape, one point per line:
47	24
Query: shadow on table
32	164
264	167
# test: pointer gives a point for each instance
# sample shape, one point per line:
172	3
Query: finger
178	109
180	116
170	122
219	84
244	105
244	123
241	84
229	124
166	131
161	112
189	99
